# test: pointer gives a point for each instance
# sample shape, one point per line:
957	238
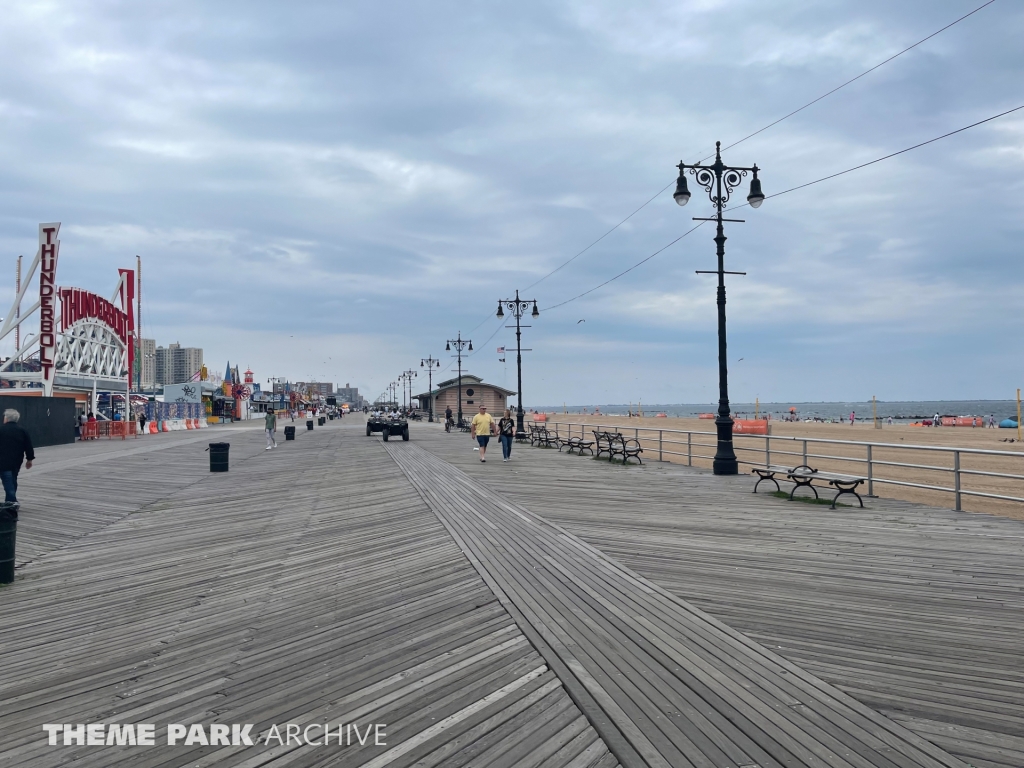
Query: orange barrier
164	427
706	416
90	431
188	423
540	417
969	421
750	427
118	429
152	427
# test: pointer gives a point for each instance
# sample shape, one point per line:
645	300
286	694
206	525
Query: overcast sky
331	190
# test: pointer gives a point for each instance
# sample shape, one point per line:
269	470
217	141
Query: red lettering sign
49	248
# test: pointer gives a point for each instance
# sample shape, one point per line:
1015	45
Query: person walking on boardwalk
15	445
482	428
270	425
448	419
506	431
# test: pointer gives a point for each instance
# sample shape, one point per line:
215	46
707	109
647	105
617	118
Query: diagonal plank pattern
309	584
665	684
914	611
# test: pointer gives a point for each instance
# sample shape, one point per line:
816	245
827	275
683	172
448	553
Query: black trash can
8	532
309	424
289	433
323	420
219	457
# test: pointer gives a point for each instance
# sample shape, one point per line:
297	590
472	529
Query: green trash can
8	533
219	456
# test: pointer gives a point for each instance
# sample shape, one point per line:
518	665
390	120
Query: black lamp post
430	364
517	307
409	376
718	181
460	344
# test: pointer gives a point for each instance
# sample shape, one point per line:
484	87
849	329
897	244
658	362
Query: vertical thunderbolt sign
49	246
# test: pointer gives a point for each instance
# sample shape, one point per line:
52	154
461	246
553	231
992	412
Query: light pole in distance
460	344
517	307
430	363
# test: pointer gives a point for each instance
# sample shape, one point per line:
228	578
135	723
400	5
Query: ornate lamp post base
725	462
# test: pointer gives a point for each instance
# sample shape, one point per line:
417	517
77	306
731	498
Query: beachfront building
475	392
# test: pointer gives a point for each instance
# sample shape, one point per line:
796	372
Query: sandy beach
751	448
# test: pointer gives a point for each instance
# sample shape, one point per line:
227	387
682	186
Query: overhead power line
602	237
854	79
793	189
762	130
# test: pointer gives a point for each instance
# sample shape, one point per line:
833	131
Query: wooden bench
546	438
603	441
576	444
616	444
804	476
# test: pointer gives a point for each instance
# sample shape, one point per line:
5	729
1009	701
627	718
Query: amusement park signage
76	304
49	246
87	336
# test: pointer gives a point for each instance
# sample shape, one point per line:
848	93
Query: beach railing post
767	451
689	449
871	475
956	478
805	453
659	445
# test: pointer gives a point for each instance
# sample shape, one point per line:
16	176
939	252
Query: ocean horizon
902	410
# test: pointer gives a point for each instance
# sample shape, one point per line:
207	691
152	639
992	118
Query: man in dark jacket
15	445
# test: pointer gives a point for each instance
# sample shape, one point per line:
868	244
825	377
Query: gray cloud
377	175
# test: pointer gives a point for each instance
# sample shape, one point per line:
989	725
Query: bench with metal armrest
804	476
617	444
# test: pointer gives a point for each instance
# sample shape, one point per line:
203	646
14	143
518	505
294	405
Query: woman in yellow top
482	428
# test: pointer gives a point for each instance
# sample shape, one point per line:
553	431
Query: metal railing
682	443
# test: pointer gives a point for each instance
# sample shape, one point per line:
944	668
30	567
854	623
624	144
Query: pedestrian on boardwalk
15	445
270	425
506	431
142	422
482	428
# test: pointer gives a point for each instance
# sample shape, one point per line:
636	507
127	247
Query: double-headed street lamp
517	307
460	344
718	181
430	363
409	376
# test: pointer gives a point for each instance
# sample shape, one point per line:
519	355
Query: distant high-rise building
147	363
323	388
176	364
349	394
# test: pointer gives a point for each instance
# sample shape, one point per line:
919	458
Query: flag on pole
501	350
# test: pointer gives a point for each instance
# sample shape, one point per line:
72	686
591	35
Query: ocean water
903	411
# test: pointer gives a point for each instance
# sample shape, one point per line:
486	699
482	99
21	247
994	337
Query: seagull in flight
580	321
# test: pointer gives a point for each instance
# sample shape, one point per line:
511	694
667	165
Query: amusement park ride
83	342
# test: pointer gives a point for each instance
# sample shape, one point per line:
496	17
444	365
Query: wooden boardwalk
553	611
309	584
913	611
